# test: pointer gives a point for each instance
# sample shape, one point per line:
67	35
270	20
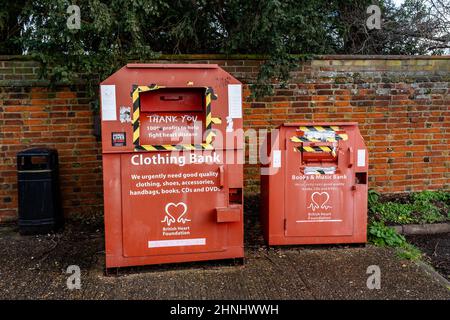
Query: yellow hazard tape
309	149
316	149
209	137
319	128
216	120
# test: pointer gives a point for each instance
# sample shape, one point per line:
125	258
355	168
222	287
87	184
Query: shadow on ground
33	267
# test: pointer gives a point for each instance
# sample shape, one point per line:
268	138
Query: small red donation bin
172	164
314	186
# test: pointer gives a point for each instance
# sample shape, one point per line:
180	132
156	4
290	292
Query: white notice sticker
276	158
177	243
361	162
235	101
108	96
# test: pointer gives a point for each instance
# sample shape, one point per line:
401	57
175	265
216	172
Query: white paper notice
361	158
235	101
276	158
108	96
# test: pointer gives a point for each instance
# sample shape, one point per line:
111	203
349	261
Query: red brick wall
401	103
32	114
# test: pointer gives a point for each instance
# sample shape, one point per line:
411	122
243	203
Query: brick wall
401	103
33	114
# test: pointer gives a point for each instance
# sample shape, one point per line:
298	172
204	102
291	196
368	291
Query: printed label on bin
361	158
170	198
320	191
177	243
276	159
164	128
118	139
235	101
108	99
318	198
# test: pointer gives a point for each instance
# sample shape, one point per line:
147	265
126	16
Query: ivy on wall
113	32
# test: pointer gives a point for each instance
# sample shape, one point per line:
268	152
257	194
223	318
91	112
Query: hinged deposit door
170	208
318	196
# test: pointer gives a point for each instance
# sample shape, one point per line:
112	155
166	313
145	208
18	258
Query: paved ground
33	267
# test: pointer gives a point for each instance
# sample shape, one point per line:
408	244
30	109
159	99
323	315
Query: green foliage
394	212
428	196
421	207
114	32
382	235
431	205
372	198
111	34
11	23
409	252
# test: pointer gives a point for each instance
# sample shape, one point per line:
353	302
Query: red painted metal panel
229	214
176	214
173	99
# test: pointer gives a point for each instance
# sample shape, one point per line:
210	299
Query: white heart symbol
170	214
318	201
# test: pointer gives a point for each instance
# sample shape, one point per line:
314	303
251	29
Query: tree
414	28
114	32
11	24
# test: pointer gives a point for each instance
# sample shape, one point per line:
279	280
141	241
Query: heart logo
319	200
175	212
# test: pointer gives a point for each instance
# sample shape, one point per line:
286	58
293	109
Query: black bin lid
37	152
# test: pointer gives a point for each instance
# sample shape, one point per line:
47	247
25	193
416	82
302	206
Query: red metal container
172	188
314	187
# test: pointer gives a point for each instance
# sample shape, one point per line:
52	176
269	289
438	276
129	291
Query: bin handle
221	176
350	157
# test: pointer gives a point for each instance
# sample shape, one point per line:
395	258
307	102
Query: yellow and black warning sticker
210	120
315	149
320	134
135	94
319	128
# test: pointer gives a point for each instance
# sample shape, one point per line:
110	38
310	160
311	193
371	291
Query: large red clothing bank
172	188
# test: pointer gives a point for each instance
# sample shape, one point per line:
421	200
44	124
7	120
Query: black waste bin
40	208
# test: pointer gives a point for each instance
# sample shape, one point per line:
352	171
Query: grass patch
409	252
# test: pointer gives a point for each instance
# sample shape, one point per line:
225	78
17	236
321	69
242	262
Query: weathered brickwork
402	105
